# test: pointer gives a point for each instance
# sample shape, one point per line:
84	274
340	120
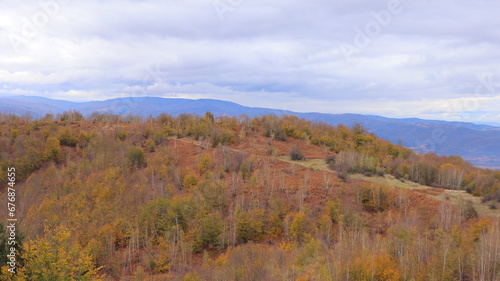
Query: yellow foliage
223	258
298	226
287	245
480	228
52	151
205	163
56	257
192	277
379	267
190	181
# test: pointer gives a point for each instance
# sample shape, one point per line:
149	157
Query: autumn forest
109	197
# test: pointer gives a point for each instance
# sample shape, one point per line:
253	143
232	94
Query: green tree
207	232
250	225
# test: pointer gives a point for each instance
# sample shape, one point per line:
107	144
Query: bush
334	211
296	154
271	151
470	212
220	136
274	128
121	135
190	181
330	161
84	139
67	139
136	158
150	145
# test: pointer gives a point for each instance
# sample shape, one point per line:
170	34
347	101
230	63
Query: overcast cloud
424	58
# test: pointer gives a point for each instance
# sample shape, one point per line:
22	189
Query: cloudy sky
398	58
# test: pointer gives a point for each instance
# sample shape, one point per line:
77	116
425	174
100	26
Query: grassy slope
456	197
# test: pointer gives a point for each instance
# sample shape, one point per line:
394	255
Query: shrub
190	181
334	211
220	136
67	139
136	158
274	128
330	161
150	145
469	211
121	135
84	139
296	154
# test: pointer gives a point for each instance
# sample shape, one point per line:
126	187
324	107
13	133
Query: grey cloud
262	52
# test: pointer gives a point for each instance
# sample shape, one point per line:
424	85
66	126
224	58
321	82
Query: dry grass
457	197
454	196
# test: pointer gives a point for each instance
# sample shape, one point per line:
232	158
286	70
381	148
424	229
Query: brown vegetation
202	198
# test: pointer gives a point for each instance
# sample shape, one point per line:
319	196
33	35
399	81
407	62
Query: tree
55	257
207	232
250	225
298	227
3	245
70	115
52	150
205	163
14	133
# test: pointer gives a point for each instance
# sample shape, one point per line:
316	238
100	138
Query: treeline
173	198
353	150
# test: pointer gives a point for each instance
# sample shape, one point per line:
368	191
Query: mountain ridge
477	143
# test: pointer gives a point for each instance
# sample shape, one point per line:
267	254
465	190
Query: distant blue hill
478	143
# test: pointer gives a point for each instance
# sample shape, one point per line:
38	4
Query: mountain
477	143
36	106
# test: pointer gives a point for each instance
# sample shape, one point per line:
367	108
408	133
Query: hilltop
474	142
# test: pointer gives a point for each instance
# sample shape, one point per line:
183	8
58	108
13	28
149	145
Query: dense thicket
216	198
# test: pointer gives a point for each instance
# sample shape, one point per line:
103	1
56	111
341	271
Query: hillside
476	143
225	198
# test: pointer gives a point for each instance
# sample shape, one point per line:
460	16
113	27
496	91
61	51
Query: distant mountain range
477	143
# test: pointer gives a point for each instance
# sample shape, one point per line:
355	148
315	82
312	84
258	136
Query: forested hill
239	198
225	198
474	142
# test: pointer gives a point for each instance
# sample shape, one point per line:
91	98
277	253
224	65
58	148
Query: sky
396	58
